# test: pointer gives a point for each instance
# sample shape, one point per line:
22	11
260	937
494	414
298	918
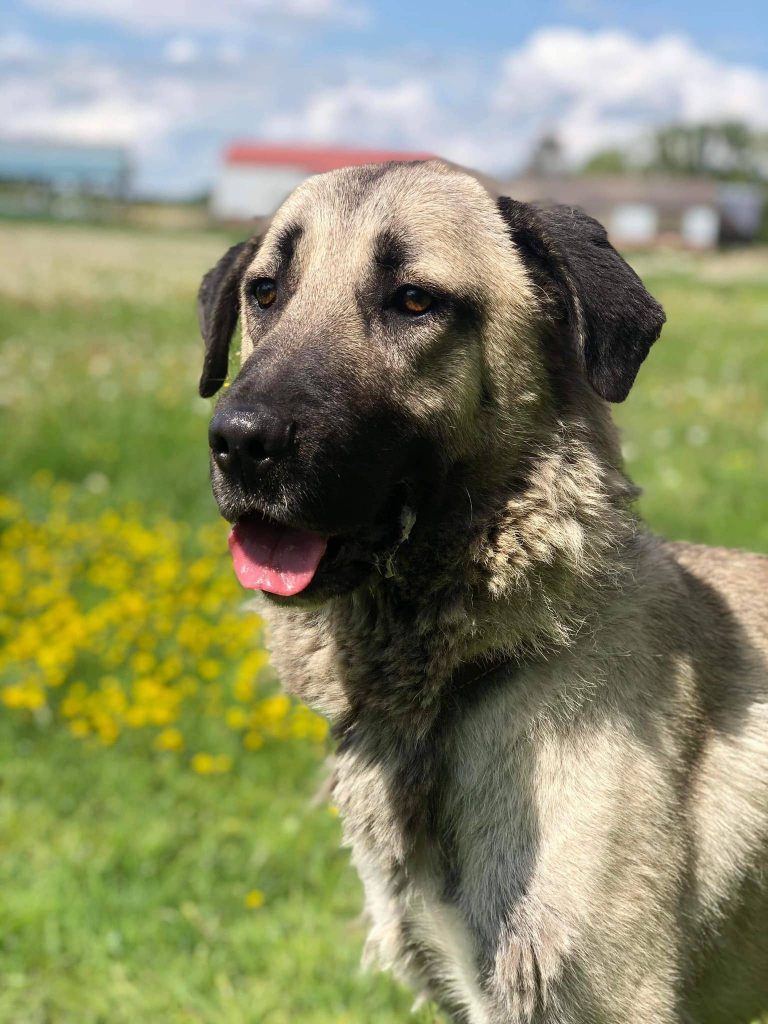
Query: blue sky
174	80
735	31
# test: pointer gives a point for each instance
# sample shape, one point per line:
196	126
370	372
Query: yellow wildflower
211	764
169	739
236	718
254	899
209	668
143	662
28	695
274	709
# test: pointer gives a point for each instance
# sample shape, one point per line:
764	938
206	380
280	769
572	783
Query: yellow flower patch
113	625
211	764
169	739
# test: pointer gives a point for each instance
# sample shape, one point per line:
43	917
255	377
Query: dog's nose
245	441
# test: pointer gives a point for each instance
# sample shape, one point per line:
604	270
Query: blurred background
165	856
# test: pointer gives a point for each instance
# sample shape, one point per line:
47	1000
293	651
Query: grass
133	888
126	882
696	427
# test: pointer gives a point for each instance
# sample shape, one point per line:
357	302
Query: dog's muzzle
246	442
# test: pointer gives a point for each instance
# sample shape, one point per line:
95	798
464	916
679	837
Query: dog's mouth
285	560
274	557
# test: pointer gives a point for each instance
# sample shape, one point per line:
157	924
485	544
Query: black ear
612	319
218	307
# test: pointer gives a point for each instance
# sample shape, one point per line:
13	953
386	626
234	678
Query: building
60	178
254	178
639	211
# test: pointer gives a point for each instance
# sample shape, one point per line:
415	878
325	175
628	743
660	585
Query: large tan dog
552	726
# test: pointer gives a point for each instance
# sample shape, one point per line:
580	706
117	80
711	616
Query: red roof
314	159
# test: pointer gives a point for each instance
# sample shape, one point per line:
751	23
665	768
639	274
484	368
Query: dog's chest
422	937
415	931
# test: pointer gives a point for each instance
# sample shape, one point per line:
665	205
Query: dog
551	725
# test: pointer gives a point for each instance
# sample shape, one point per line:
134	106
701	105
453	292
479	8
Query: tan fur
593	845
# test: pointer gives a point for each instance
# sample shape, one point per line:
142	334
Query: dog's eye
413	301
264	290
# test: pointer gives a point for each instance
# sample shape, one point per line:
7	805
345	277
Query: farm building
695	213
60	178
254	178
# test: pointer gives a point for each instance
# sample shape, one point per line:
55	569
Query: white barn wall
242	192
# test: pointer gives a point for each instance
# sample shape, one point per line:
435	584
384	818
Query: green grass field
133	888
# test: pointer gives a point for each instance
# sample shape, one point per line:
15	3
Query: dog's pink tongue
275	558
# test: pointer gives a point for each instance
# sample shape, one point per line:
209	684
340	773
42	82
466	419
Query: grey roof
62	163
600	192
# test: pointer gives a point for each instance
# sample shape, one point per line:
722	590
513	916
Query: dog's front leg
536	979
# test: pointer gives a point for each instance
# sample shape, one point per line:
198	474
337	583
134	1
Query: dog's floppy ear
612	320
218	307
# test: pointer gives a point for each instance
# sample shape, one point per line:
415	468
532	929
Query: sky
478	82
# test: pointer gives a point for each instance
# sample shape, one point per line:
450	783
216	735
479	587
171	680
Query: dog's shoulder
704	559
737	578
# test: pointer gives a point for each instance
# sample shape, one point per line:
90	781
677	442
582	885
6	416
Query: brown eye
264	290
413	301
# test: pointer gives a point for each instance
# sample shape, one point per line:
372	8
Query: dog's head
398	321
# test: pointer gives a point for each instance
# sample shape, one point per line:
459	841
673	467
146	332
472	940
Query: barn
254	178
60	179
645	211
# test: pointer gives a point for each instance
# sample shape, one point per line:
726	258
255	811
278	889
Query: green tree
607	161
728	150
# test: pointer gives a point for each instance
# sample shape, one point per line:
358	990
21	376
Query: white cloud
413	113
17	46
178	110
363	112
174	118
93	104
205	15
592	89
181	50
603	88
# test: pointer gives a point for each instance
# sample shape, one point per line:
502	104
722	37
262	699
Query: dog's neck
505	572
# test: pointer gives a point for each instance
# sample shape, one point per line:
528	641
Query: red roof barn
255	177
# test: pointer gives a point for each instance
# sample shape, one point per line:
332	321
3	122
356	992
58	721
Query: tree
607	161
728	150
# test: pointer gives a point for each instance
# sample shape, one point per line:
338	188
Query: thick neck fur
513	568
